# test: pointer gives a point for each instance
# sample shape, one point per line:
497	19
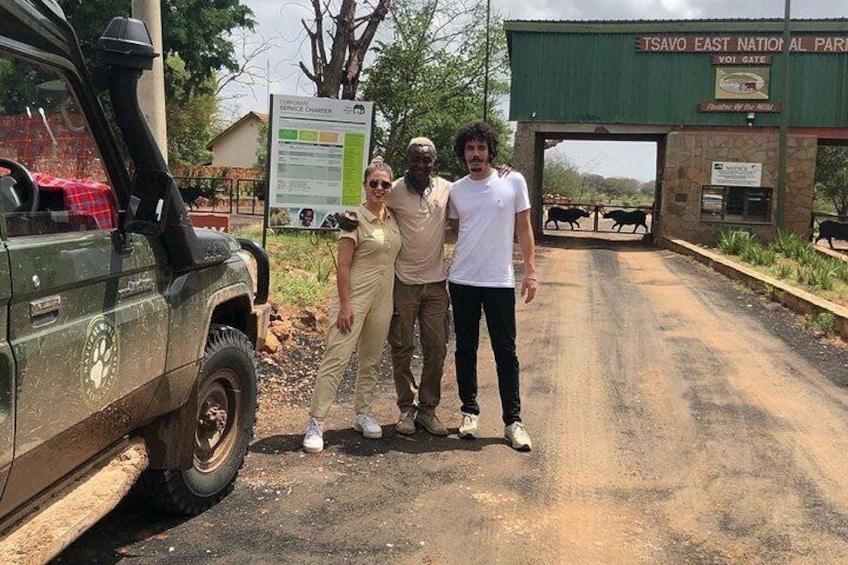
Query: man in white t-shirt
486	211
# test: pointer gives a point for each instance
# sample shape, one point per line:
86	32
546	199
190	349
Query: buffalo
570	215
621	218
192	194
832	230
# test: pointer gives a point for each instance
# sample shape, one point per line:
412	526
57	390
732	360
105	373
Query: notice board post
318	149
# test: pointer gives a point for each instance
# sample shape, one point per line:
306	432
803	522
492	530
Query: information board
318	151
736	174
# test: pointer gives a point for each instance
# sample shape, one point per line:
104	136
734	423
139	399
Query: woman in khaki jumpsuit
362	309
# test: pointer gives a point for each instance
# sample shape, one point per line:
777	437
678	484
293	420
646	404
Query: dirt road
676	418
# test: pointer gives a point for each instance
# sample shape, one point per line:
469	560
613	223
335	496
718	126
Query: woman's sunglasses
384	184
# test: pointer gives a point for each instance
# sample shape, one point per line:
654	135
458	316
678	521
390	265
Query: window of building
736	203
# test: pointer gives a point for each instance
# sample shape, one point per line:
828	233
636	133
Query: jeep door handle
45	310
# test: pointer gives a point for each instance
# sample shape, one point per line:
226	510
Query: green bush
818	276
790	244
823	322
733	241
756	254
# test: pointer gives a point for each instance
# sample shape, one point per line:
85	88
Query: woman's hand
344	321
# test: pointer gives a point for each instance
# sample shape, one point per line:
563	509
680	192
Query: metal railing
225	195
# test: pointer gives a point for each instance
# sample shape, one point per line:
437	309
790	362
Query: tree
336	72
261	164
832	176
428	80
561	177
196	38
196	31
190	117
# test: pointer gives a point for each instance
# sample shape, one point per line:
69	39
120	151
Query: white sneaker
518	437
468	428
368	426
313	441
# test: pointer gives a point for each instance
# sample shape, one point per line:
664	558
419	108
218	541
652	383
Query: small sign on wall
742	83
736	174
738	107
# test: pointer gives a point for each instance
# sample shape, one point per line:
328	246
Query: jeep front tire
226	412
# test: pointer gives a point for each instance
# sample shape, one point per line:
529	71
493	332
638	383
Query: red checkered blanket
84	197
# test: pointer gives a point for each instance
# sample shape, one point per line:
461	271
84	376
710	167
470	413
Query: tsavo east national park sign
740	44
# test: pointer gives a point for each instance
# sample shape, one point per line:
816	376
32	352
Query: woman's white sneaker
367	426
313	441
468	428
518	437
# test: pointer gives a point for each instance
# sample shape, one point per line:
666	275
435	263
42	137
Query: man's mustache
476	159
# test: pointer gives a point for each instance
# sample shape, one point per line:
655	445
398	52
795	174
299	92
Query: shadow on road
590	240
349	442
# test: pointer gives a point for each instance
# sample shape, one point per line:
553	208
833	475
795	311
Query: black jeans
499	307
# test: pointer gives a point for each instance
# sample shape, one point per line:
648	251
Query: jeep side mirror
149	202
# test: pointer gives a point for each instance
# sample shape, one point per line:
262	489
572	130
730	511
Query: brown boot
406	424
430	422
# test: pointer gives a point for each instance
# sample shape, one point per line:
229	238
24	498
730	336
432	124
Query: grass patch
792	259
823	323
733	242
302	265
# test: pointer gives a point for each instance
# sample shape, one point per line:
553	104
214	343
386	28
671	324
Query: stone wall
688	160
528	158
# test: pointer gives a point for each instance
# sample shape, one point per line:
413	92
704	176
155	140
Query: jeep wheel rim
218	419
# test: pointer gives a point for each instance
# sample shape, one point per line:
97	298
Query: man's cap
424	141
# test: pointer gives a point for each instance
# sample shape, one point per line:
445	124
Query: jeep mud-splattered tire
224	427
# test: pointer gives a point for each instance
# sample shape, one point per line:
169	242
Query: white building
237	145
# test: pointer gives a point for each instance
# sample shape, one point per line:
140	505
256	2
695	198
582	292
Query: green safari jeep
127	337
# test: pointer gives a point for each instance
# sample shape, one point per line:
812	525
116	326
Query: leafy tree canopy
561	177
196	42
196	31
428	80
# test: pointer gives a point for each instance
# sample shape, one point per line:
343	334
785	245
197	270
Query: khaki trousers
427	303
368	337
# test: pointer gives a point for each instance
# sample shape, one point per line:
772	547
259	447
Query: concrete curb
795	299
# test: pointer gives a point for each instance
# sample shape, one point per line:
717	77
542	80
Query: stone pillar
529	161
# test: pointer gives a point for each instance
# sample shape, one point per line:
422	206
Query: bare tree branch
249	72
336	73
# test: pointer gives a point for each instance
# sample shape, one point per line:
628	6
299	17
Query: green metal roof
591	72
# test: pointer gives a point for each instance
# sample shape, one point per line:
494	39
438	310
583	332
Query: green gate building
708	92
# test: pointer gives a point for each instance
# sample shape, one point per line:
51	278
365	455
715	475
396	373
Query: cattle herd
620	218
828	229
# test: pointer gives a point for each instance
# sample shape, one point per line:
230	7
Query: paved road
677	418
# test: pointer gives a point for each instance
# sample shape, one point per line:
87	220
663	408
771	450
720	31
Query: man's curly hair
477	131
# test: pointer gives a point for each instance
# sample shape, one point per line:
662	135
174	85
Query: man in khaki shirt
420	202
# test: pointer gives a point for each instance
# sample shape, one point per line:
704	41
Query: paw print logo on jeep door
99	360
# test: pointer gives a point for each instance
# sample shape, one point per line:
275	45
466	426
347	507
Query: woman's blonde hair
377	164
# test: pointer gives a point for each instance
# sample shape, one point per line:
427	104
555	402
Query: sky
278	25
